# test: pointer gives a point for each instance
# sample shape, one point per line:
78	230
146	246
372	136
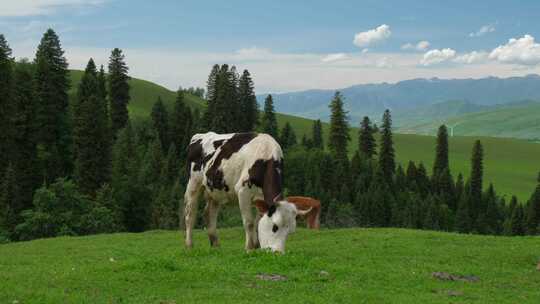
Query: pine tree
318	135
339	137
24	135
211	96
517	225
476	180
248	103
180	125
533	211
160	122
9	208
104	128
288	137
90	133
463	217
441	151
118	90
366	141
51	85
269	122
386	153
6	70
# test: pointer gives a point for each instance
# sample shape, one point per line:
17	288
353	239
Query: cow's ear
262	207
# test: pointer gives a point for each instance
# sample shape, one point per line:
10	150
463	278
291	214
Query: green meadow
327	266
511	164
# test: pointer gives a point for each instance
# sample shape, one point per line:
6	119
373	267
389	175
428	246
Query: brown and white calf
308	208
243	166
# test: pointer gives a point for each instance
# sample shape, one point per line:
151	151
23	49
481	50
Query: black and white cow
243	166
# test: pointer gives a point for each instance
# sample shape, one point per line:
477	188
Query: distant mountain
373	99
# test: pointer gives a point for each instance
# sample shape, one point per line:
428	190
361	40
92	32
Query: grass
511	164
362	266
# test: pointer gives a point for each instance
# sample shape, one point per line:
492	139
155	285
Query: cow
242	166
309	208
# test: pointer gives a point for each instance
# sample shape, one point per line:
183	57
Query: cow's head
276	223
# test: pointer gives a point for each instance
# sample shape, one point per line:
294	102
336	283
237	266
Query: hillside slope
513	120
327	266
512	165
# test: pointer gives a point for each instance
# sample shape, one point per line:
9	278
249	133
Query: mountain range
457	96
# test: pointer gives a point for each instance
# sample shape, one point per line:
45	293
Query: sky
287	45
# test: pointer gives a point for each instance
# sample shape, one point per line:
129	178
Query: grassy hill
511	164
521	120
328	266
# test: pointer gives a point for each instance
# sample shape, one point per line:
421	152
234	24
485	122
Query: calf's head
276	223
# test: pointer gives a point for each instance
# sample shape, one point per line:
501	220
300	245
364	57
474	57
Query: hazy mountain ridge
373	99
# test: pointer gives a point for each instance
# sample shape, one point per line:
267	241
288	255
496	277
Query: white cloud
334	57
437	56
420	46
384	63
472	57
365	51
483	30
41	7
521	51
372	36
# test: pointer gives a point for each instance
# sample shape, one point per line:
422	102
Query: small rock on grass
271	277
323	273
445	276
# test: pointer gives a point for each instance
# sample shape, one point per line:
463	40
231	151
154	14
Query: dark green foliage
51	84
160	121
441	151
130	193
6	77
287	137
317	135
338	138
181	125
91	134
118	90
223	113
366	141
463	215
9	206
248	103
61	210
387	161
533	212
24	136
517	221
269	121
476	180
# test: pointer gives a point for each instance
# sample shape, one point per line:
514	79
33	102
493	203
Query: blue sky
288	45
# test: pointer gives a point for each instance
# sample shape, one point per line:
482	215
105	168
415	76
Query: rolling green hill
327	266
521	120
511	164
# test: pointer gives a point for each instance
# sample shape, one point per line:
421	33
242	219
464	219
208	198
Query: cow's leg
256	233
213	209
191	200
244	200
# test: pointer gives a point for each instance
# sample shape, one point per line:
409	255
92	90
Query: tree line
372	190
76	165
